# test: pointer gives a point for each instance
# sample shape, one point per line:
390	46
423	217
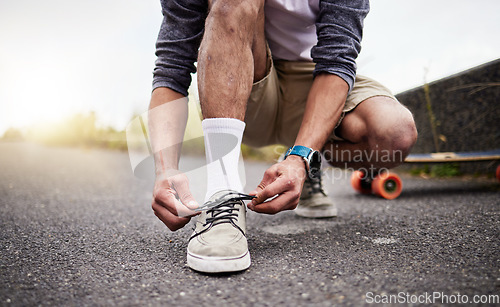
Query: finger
170	220
278	186
269	176
285	201
167	199
259	188
182	189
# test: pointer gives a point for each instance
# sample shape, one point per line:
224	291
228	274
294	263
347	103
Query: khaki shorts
277	102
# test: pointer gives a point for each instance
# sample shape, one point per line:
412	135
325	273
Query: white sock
222	148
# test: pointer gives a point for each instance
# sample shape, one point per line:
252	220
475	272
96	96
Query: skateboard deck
454	156
389	185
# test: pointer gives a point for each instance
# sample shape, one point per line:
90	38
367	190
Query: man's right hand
173	202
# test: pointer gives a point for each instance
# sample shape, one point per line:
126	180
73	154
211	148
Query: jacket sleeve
178	42
339	28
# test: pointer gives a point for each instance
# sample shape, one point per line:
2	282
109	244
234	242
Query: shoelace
316	185
221	201
221	210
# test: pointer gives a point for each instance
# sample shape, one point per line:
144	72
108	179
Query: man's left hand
283	180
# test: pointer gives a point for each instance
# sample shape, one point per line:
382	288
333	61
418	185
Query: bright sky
58	57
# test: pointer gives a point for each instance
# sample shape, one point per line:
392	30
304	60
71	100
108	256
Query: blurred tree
13	134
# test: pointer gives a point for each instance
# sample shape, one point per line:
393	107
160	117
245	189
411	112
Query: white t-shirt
291	28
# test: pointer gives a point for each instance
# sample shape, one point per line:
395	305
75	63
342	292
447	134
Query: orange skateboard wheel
387	185
358	184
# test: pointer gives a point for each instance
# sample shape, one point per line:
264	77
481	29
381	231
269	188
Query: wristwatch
312	158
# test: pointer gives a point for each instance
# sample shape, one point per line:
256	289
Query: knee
235	13
397	135
405	136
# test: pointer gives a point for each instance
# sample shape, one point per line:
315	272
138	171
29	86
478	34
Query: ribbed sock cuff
223	125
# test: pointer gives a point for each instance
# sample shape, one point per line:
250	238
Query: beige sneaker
218	243
314	202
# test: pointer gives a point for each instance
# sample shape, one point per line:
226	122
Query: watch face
315	163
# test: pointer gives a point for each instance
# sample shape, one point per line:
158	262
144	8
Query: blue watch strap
298	150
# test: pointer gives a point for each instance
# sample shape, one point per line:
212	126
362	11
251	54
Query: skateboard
389	185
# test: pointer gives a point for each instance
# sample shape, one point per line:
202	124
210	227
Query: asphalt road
76	228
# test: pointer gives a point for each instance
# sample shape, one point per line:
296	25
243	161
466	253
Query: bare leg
232	55
378	133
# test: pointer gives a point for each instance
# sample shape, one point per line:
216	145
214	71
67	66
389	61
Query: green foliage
80	130
13	134
437	170
445	170
268	153
193	147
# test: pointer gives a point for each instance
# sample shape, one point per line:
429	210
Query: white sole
316	213
218	264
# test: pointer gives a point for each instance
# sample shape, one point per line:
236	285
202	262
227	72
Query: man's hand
284	179
323	110
172	200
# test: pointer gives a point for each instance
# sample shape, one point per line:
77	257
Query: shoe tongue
223	195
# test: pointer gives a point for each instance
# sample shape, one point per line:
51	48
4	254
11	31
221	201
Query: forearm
167	118
323	110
